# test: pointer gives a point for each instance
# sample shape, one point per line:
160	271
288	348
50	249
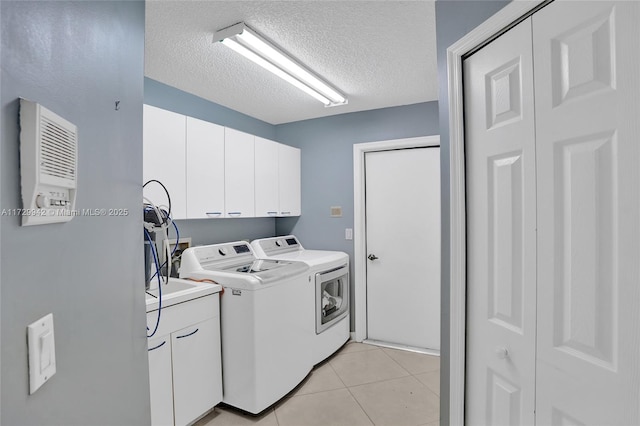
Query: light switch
45	350
348	234
42	353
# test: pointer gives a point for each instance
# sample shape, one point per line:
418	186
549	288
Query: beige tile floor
359	385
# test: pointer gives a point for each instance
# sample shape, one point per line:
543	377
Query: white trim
432	352
477	37
359	234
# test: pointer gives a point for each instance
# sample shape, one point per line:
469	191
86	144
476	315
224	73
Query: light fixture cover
253	46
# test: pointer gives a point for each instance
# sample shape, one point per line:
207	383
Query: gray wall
77	59
327	166
208	231
454	19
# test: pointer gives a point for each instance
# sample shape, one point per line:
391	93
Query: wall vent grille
57	150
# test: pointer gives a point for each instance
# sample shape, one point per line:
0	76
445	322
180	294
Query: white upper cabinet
266	179
239	174
289	180
211	171
205	167
164	158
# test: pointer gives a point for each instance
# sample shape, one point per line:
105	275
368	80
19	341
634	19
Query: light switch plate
348	234
42	353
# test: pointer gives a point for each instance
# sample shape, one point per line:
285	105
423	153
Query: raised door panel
501	225
239	174
587	109
205	169
289	180
197	371
266	169
160	381
164	135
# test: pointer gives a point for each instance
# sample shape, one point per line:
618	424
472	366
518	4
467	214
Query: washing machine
327	292
265	347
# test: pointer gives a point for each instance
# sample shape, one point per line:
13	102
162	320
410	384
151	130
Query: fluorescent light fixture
251	45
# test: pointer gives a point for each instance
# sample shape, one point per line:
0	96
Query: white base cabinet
185	370
161	381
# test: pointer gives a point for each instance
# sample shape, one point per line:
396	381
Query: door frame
359	235
505	18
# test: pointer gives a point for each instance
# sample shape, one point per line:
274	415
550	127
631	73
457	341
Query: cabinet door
289	180
266	169
197	371
160	381
164	158
205	169
239	174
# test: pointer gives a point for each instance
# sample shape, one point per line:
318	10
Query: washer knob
279	243
222	251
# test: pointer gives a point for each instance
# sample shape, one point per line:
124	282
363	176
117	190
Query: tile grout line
352	395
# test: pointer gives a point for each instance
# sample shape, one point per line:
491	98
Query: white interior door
403	244
588	148
501	222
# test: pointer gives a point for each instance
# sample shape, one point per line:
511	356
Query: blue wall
454	19
167	97
77	58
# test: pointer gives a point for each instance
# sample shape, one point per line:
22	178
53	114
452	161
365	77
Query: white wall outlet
42	352
348	234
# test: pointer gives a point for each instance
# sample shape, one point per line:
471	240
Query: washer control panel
207	255
272	246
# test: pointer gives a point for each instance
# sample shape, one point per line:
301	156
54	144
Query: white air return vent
48	165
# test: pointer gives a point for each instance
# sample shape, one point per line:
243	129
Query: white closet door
501	221
588	145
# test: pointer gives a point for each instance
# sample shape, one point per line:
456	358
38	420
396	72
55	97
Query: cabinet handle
213	214
235	213
285	212
159	346
271	213
187	335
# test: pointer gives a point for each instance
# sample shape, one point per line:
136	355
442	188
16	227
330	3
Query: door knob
502	352
372	257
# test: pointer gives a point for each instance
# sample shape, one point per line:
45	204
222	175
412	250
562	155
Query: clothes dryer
327	292
265	347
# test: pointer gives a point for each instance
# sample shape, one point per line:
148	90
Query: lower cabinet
196	377
185	372
161	381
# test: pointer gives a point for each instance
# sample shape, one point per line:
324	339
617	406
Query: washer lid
314	257
257	266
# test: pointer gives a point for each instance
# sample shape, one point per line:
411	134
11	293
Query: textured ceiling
378	53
